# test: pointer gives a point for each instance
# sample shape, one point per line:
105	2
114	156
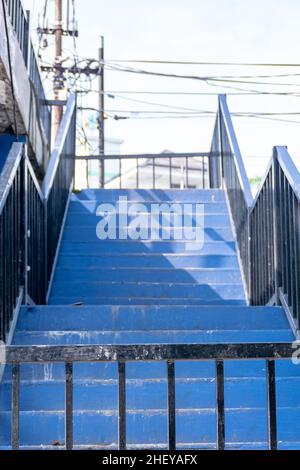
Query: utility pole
58	111
101	111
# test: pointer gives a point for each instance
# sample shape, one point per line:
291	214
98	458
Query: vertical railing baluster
203	173
271	410
297	254
186	172
153	172
15	407
220	405
69	406
122	405
171	406
137	173
120	173
170	172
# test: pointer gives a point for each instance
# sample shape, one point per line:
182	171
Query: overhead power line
187	62
196	93
205	79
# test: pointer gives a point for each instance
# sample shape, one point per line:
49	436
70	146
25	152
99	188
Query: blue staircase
144	292
119	272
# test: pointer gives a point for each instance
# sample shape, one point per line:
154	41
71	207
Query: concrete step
155	371
167	261
151	195
170	275
75	219
149	337
194	427
150	395
115	247
123	318
89	235
90	207
143	290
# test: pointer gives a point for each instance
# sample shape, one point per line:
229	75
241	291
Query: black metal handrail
20	20
11	237
268	227
262	233
35	285
177	170
168	353
275	231
227	170
58	183
31	221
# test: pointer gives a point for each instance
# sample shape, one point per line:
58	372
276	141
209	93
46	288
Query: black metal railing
168	353
35	284
20	20
268	227
20	23
149	171
58	181
31	221
262	219
275	232
11	237
287	212
227	170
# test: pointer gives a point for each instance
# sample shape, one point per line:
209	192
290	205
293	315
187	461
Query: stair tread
151	317
247	425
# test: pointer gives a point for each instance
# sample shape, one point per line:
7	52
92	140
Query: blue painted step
150	427
171	260
75	219
90	207
86	300
149	337
151	195
155	371
122	318
88	234
125	325
148	247
151	395
142	290
166	275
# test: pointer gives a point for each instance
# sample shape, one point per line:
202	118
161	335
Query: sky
257	31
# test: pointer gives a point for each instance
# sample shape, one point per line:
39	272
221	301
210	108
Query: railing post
15	406
276	225
220	405
137	173
122	405
69	406
46	245
249	247
26	228
220	177
271	410
171	406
